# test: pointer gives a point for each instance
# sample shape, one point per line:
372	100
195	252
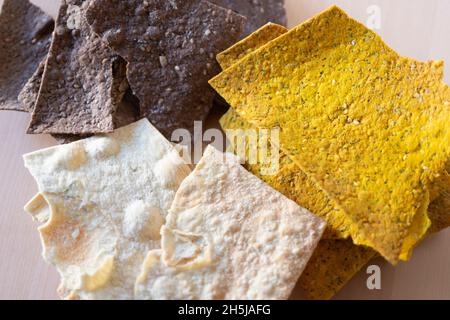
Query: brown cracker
170	47
258	12
25	33
81	89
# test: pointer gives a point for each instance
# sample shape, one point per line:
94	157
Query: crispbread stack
364	137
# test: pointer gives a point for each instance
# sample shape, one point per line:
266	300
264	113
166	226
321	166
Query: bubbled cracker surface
107	195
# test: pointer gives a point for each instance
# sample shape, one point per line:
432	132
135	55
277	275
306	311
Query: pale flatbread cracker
102	201
229	236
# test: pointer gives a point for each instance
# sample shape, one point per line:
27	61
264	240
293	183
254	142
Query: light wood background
415	28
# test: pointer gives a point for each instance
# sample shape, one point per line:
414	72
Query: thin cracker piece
223	242
251	43
80	89
258	12
30	91
335	261
126	113
170	48
25	34
337	114
108	197
439	209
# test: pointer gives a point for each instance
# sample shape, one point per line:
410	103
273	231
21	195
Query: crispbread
81	86
251	43
25	34
399	106
223	242
108	197
170	48
335	261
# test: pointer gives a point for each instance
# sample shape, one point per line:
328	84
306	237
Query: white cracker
229	236
102	201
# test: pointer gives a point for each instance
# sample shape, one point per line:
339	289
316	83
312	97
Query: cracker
335	261
251	43
25	34
439	209
170	47
340	98
223	242
258	12
108	197
30	91
332	265
80	89
126	113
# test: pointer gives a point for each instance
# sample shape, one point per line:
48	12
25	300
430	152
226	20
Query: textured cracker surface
370	127
81	86
223	242
170	47
251	43
30	90
257	12
108	197
25	34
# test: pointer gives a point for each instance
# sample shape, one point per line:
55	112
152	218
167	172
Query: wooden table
415	28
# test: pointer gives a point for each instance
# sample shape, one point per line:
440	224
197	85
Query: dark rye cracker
25	34
258	12
80	90
127	113
170	47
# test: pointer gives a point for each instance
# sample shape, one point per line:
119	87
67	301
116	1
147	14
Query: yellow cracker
290	179
254	41
439	210
332	265
101	204
335	262
370	127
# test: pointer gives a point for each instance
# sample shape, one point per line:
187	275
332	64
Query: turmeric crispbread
25	34
335	261
102	202
251	43
368	126
290	180
170	47
223	242
83	81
